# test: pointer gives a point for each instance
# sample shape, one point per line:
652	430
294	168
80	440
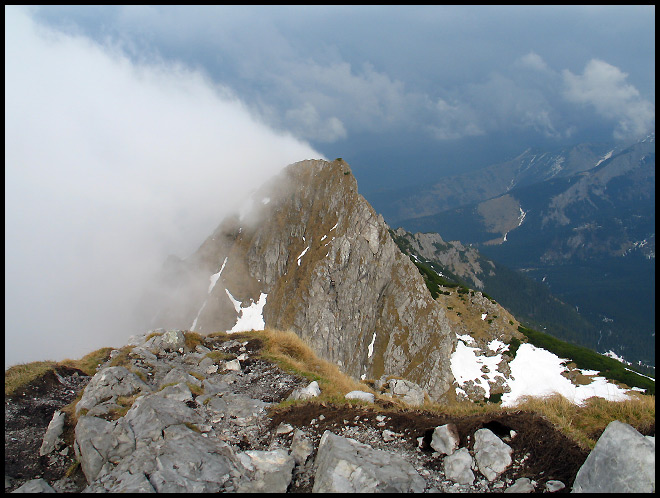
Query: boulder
458	466
344	465
301	447
623	461
234	365
554	486
522	485
493	456
445	439
169	341
35	486
409	392
311	391
361	395
270	471
52	439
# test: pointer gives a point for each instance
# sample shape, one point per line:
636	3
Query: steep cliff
309	254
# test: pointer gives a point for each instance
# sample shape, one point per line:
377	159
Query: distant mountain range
580	221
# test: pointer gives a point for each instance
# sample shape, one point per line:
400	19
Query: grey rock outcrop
522	485
623	461
329	271
360	395
106	387
35	486
493	456
445	439
458	466
52	439
301	447
407	391
344	465
311	391
272	471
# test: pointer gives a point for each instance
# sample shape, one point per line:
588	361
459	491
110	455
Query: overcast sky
131	131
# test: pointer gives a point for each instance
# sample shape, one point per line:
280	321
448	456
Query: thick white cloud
604	87
306	122
110	166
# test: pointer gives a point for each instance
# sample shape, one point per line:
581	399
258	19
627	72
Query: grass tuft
289	351
18	376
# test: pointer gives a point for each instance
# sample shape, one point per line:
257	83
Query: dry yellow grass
293	354
90	362
19	375
193	339
585	423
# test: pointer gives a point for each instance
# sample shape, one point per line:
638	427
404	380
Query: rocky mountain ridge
530	167
589	237
312	256
175	412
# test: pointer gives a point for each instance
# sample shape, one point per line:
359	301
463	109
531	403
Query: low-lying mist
110	166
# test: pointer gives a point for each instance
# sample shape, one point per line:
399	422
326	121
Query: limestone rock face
330	272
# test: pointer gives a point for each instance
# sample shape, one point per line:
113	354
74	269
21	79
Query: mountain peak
312	256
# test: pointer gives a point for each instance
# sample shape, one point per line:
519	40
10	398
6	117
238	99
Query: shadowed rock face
332	274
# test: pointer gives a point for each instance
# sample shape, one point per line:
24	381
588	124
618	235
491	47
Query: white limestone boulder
344	465
623	461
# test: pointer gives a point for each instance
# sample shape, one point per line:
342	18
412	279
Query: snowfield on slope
534	372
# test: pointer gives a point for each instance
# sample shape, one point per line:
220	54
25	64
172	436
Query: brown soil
552	456
27	415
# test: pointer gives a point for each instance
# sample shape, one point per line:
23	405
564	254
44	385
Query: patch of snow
640	374
250	318
484	315
214	278
194	324
323	238
466	338
237	304
265	200
371	345
466	364
537	372
521	216
496	345
557	166
302	254
612	354
504	239
334	226
605	157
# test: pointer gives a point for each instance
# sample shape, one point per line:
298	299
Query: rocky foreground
175	418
